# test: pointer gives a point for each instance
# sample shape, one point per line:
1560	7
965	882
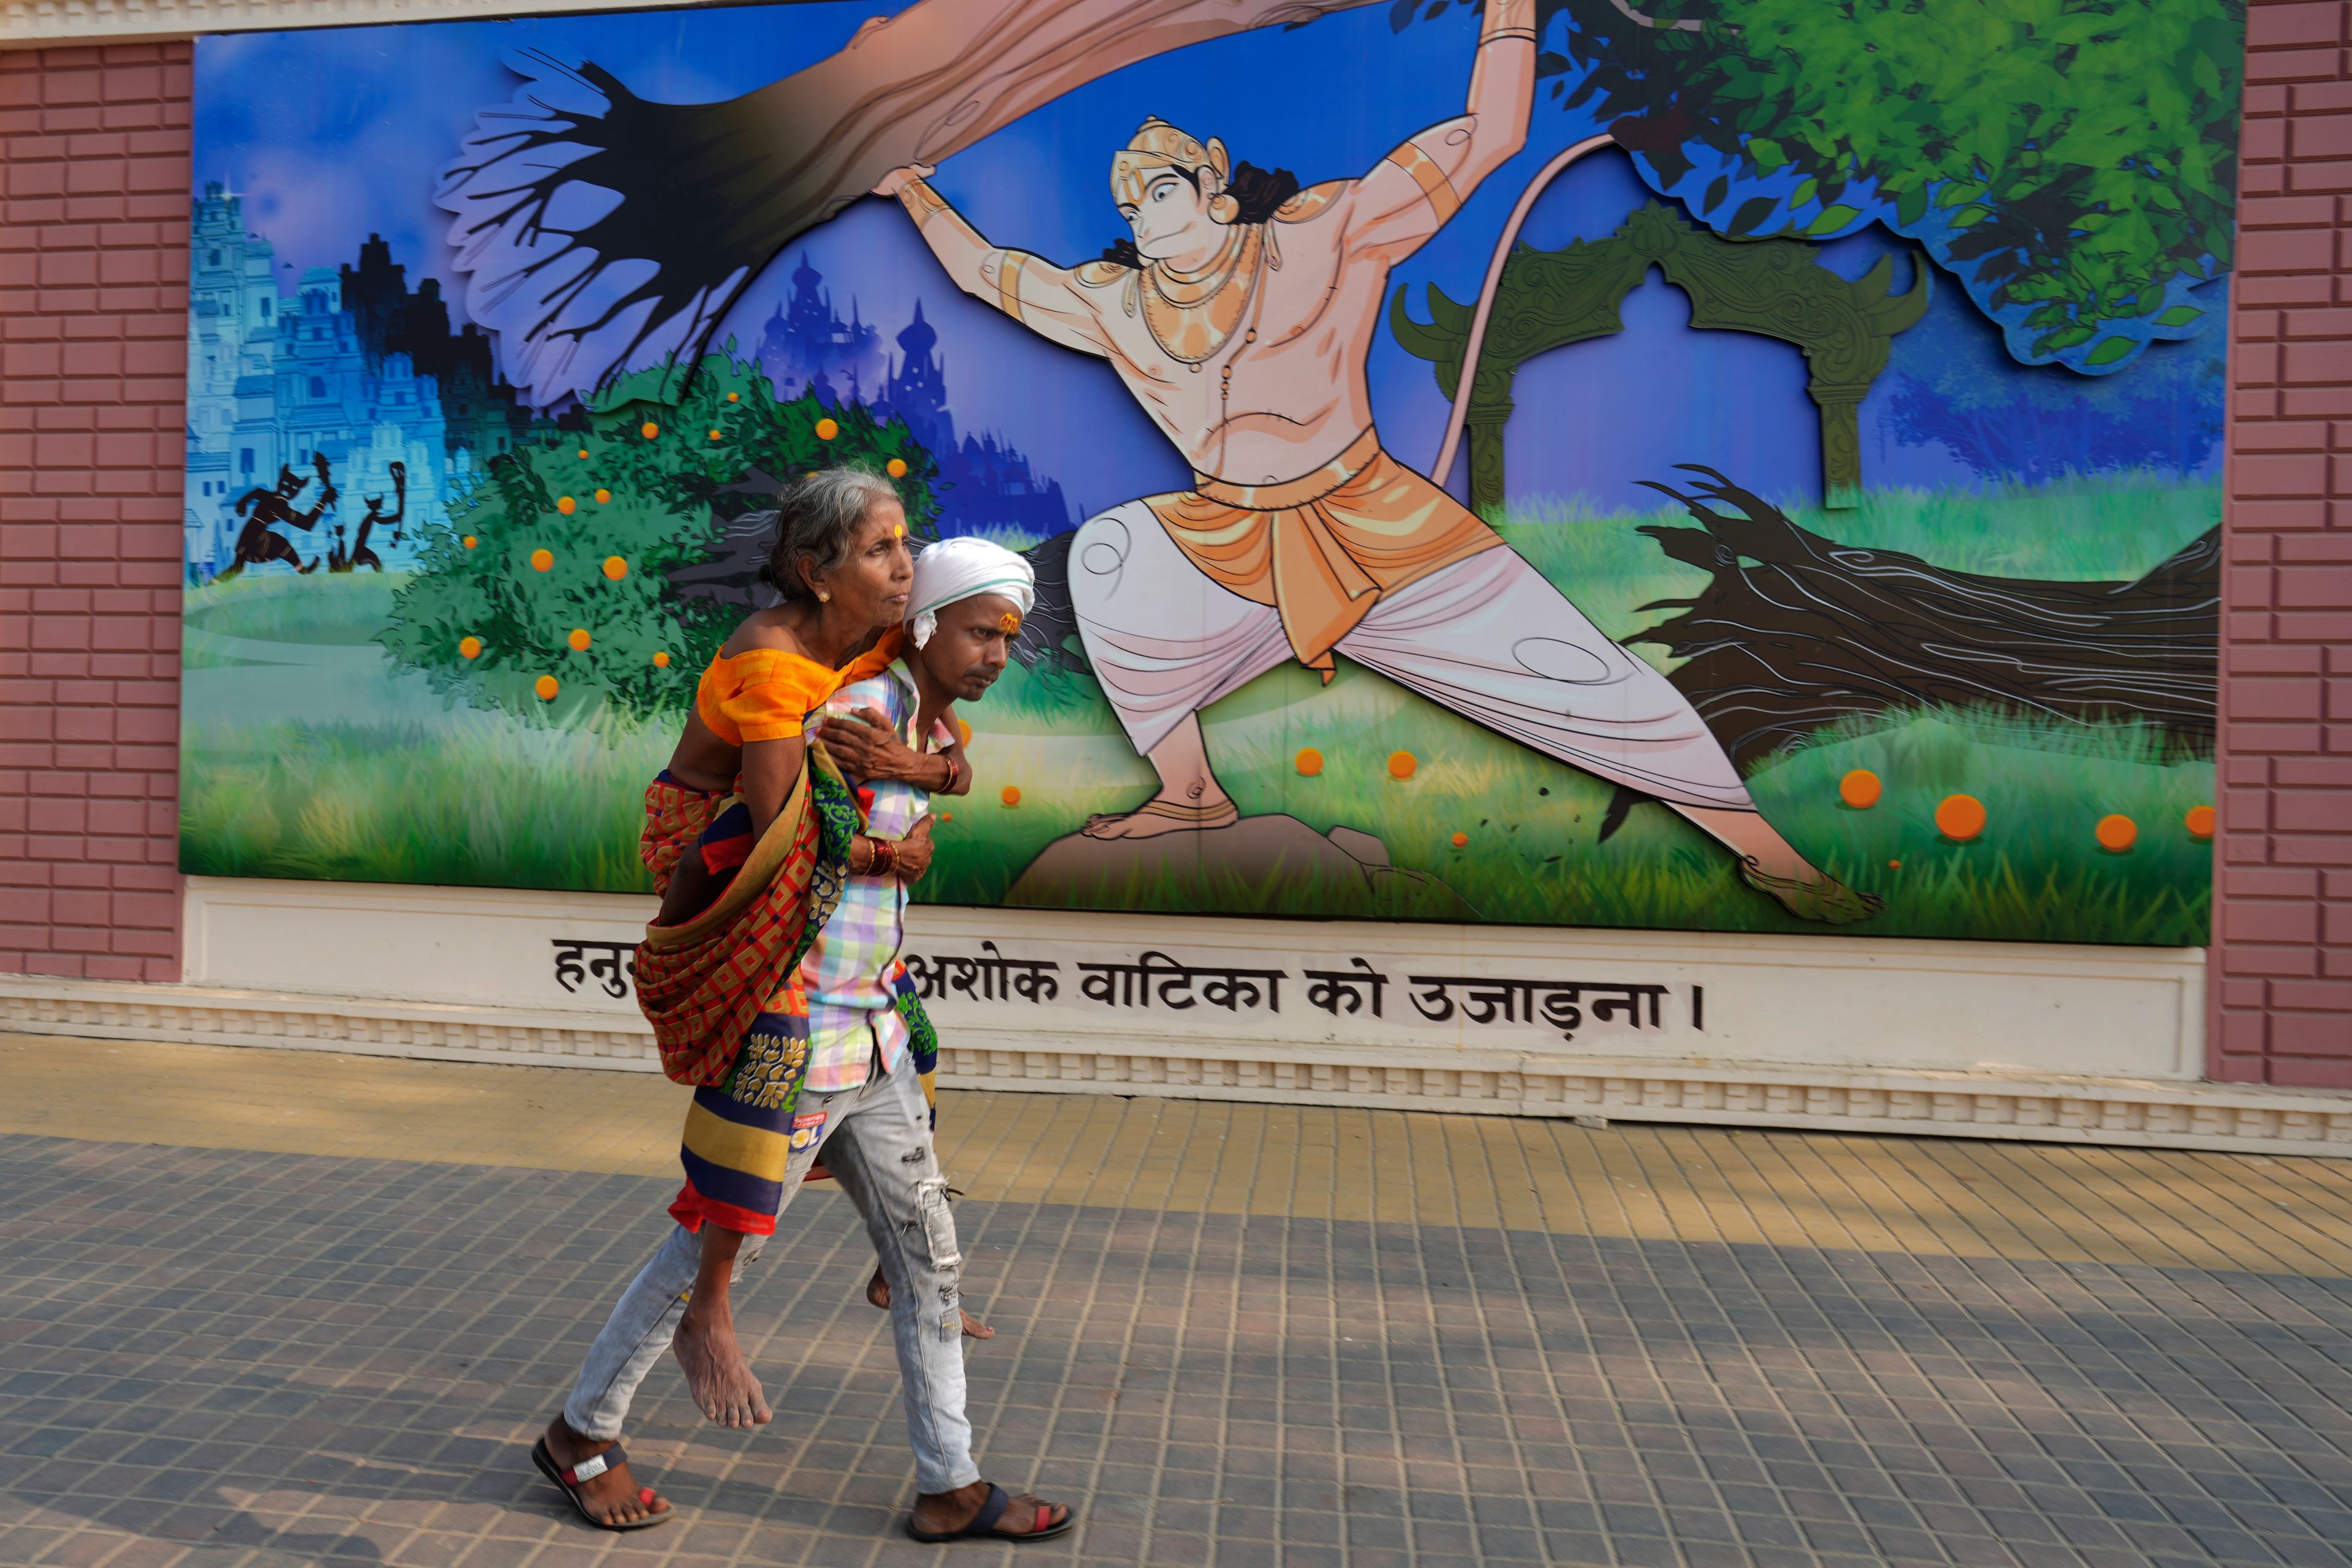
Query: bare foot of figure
716	1372
1160	815
612	1500
878	1292
1189	798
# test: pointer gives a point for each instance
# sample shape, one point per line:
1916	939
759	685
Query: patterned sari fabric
723	988
703	981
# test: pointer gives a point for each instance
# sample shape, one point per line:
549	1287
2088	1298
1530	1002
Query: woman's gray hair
817	519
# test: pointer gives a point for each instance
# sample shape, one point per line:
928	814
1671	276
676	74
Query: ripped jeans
877	1140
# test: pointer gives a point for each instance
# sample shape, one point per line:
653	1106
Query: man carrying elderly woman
783	837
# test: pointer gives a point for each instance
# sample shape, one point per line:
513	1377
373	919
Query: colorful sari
723	989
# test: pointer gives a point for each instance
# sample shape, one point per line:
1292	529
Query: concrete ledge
2131	1112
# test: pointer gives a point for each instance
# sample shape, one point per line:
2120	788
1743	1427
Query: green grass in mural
404	803
305	755
1533	826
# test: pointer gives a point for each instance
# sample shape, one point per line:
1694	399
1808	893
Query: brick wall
2281	966
93	332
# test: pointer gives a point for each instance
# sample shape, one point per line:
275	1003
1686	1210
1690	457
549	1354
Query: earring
1224	208
822	597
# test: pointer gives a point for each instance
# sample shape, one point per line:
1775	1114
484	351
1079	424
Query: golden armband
920	201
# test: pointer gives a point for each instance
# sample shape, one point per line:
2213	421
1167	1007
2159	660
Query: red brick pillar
93	353
2282	965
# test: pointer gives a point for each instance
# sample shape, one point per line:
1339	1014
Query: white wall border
2141	1113
286	965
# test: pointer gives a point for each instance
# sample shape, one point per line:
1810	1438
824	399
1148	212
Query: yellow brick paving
1925	1196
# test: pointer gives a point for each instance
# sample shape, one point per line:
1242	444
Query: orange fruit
896	467
1860	789
1309	762
1960	817
566	505
543	561
1461	840
714	434
578	639
546	688
734	397
616	567
469	542
964	731
603	497
583	452
469	648
826	429
1401	764
2116	832
661	661
649	429
1011	795
2199	821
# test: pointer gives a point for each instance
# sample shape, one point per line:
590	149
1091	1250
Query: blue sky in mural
358	150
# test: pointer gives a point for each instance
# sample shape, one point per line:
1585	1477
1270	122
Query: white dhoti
1487	637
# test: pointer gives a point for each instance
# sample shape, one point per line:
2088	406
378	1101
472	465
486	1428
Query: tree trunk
940	76
1815	631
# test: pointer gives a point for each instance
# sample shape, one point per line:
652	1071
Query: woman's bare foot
716	1372
878	1291
613	1498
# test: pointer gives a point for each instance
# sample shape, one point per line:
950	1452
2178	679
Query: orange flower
616	567
603	497
1403	765
542	560
1011	795
964	731
649	429
578	639
469	542
661	661
566	505
1461	840
546	688
714	434
734	397
469	648
826	429
2199	821
583	452
1309	762
896	467
1960	817
1860	789
2116	832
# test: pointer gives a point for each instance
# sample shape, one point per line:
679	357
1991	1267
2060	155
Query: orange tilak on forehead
1008	622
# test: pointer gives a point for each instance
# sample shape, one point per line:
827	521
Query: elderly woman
789	886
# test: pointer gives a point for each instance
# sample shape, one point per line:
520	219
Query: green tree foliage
574	539
2081	153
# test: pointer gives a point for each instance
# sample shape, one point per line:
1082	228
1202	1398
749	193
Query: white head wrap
954	570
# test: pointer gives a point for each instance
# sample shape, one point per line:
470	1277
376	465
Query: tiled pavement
276	1307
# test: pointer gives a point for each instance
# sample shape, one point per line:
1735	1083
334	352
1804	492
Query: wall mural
1757	469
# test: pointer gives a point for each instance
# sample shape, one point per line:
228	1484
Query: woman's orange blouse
764	693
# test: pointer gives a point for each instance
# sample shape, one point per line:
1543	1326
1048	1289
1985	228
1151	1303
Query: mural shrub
549	591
